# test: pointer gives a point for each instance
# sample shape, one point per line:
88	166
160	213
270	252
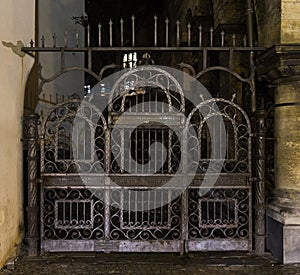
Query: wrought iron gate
94	198
101	210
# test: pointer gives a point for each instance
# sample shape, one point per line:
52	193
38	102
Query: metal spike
200	35
167	31
189	34
133	30
54	40
222	38
233	40
43	41
110	32
211	36
245	40
31	43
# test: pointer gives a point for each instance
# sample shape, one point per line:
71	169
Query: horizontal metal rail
131	49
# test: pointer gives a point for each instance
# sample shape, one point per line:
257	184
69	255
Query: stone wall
229	11
18	16
290	21
268	17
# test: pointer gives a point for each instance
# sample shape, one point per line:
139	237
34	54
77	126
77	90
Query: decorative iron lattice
72	214
221	213
59	152
129	222
107	218
237	149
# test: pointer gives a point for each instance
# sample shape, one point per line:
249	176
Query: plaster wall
16	23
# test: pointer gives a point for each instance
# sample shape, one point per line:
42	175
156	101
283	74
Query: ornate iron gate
94	198
101	210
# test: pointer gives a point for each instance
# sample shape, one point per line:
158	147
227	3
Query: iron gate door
106	174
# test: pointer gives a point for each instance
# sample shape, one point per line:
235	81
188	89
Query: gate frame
32	140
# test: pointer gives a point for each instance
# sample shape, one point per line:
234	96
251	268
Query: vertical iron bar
231	58
89	59
222	38
143	153
31	138
122	150
245	40
200	36
133	31
136	151
99	34
170	152
204	59
250	32
167	31
233	40
43	41
62	59
88	35
155	152
260	185
107	211
155	30
122	32
189	34
110	32
162	151
250	27
178	33
211	36
149	151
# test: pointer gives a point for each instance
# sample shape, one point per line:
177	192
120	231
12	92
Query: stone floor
149	263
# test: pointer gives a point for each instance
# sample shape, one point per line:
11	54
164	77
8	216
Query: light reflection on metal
167	32
133	30
177	33
155	30
99	34
110	33
122	31
189	34
88	35
211	36
222	38
200	36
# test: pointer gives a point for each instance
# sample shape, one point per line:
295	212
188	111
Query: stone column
281	65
